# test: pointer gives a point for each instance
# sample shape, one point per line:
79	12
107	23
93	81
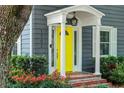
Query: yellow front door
68	47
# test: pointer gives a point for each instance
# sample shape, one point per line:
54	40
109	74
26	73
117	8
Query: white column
80	48
62	51
97	61
50	49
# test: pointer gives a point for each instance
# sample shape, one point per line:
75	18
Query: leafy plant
118	74
39	65
54	84
30	80
107	65
35	63
55	81
102	86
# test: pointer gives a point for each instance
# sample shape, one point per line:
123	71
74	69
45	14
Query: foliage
102	86
55	81
107	65
112	68
120	59
39	65
29	80
54	84
118	74
29	64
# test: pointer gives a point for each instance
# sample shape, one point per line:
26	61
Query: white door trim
78	67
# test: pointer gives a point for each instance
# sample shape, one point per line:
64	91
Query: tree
12	21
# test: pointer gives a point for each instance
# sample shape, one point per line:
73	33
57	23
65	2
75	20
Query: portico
86	16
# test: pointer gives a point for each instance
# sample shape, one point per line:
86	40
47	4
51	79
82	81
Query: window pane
104	49
75	47
14	50
104	36
52	45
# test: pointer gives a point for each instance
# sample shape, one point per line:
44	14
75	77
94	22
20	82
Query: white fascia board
31	35
85	8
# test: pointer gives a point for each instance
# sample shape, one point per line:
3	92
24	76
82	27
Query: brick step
93	85
87	82
78	73
83	76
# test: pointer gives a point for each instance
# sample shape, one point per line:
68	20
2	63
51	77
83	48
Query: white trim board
31	51
19	45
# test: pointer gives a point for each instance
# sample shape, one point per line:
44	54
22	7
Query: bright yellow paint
68	47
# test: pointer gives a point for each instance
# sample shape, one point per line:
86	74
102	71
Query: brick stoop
86	80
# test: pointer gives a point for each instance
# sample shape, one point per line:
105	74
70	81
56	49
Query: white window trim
109	29
106	29
19	45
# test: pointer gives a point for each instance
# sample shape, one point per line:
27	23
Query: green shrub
107	65
35	63
112	68
54	84
102	86
39	65
24	65
120	59
118	74
20	62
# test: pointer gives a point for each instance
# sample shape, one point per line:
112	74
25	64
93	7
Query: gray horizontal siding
87	63
25	39
40	29
114	17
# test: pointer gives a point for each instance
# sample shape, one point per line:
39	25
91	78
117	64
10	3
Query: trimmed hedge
35	63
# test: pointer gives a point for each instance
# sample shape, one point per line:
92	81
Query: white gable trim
86	8
56	16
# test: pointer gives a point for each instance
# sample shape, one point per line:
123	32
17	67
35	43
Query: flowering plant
28	79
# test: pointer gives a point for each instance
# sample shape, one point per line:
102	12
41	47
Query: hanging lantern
74	20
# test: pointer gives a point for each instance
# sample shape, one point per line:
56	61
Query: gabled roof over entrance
54	17
85	8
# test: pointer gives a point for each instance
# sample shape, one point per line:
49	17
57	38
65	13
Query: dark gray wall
87	60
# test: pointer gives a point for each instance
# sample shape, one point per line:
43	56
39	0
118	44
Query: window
108	41
104	42
17	47
14	50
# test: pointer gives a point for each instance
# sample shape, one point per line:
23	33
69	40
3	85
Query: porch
74	18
